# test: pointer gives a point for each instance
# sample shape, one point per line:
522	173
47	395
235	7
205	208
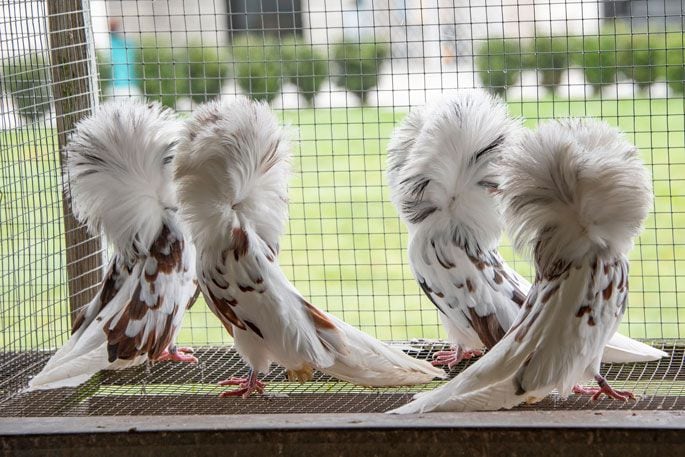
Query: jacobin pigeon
119	173
576	193
232	171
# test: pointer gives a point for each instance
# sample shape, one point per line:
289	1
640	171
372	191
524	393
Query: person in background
123	56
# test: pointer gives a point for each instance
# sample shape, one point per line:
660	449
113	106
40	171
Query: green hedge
163	71
598	59
550	56
305	67
642	57
358	65
261	65
499	64
27	79
258	68
207	70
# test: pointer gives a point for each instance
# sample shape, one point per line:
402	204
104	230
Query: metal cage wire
345	246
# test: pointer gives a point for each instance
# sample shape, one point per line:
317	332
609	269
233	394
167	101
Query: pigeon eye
490	185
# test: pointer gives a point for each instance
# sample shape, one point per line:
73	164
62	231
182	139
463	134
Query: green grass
345	247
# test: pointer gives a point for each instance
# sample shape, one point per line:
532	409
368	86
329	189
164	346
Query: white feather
219	161
374	364
622	349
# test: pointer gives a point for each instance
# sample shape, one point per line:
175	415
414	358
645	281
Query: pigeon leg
175	354
245	386
604	388
453	356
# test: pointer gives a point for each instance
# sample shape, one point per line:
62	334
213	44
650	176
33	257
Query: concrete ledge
539	433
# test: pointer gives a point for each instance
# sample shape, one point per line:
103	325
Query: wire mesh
173	389
344	73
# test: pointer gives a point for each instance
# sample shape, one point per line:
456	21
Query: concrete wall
176	20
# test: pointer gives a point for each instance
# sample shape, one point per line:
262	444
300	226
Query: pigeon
232	171
576	193
441	181
119	175
441	174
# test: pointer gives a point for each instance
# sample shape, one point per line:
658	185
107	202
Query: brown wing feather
107	291
166	258
487	327
221	307
320	320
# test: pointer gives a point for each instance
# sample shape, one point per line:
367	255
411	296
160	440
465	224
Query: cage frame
522	431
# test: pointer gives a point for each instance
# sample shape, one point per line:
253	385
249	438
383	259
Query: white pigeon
232	171
119	175
442	179
576	193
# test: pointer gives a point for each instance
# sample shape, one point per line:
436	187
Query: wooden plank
74	98
436	435
664	420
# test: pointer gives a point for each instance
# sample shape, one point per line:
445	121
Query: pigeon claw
452	357
603	389
246	386
175	354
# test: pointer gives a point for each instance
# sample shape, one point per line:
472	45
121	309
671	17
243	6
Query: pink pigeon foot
452	357
175	354
245	386
604	388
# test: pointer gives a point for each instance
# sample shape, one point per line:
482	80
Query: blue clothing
123	58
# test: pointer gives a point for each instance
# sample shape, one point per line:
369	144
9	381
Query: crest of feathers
440	166
114	160
225	159
573	187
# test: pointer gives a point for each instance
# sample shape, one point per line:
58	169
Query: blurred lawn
345	247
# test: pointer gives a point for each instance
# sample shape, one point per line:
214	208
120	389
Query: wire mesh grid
179	389
344	73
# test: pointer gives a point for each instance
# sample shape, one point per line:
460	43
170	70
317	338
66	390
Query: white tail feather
486	385
463	393
372	363
86	351
621	349
492	398
77	370
116	172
